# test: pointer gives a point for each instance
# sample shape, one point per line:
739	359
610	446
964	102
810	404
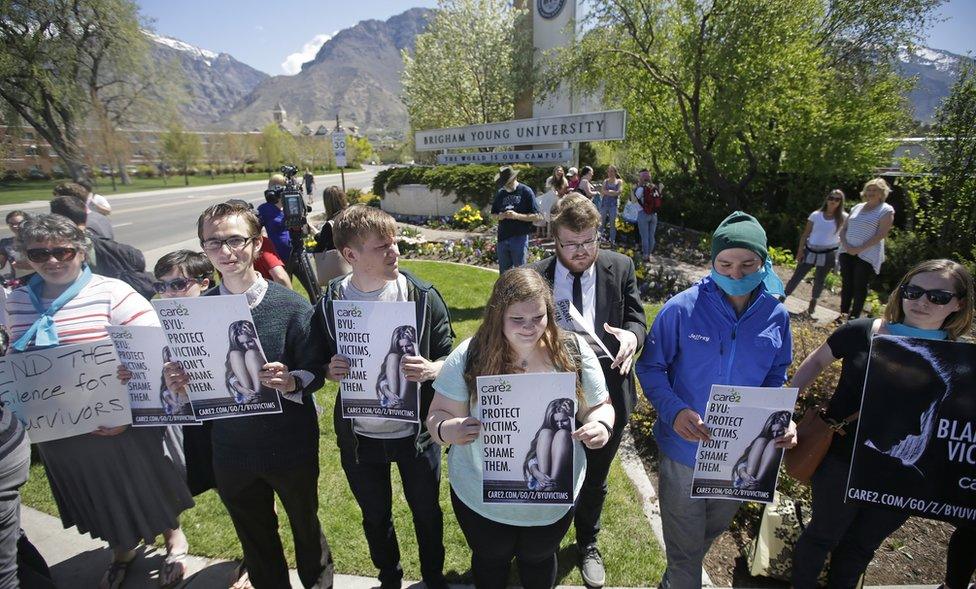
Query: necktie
578	291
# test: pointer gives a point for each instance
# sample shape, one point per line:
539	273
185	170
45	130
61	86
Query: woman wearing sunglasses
114	483
818	246
934	300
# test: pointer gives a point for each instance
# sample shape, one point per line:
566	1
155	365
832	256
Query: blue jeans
512	252
647	226
608	213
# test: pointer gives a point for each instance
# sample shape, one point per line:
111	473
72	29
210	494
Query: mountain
935	71
214	82
355	74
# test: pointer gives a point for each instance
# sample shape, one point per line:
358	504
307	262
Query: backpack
653	204
124	262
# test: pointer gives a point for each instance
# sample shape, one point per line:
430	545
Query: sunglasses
175	285
40	255
935	296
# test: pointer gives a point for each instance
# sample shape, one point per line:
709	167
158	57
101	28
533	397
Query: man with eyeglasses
601	285
256	457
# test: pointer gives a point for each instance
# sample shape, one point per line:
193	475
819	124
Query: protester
862	245
728	329
602	285
115	483
8	248
572	176
272	216
557	174
95	202
934	300
267	262
648	196
547	202
256	457
585	186
960	557
366	237
518	335
514	208
818	246
107	257
329	263
96	221
610	192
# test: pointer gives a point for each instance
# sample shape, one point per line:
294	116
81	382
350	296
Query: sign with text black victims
527	421
376	337
915	446
64	391
740	461
216	342
143	351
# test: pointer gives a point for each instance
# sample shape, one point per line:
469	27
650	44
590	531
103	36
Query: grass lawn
28	190
632	555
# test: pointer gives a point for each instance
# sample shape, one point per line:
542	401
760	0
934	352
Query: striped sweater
103	301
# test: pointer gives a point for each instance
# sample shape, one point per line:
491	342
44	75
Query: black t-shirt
852	344
521	200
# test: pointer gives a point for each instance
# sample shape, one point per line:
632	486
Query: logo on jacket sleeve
772	334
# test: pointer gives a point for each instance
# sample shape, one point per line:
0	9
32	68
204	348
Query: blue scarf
749	282
44	331
903	330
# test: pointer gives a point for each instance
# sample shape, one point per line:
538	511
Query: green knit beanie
740	230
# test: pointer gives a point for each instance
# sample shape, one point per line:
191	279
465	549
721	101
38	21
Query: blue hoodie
697	341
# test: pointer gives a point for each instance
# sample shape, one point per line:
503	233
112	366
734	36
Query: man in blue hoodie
729	329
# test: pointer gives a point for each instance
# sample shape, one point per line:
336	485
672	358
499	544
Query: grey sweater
290	438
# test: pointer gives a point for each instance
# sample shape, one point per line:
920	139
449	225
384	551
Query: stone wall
418	199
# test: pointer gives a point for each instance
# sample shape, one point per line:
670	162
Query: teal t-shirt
464	460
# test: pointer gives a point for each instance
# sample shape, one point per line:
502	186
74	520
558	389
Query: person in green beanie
728	328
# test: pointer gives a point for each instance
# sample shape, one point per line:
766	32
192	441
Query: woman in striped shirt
862	245
117	484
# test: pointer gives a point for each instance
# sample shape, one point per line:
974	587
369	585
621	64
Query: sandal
174	569
115	574
241	578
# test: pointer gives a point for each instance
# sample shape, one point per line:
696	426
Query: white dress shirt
562	289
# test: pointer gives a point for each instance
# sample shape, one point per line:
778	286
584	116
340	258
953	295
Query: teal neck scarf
44	331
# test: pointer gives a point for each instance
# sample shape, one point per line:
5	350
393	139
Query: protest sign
526	425
64	391
915	447
215	341
143	351
375	337
740	461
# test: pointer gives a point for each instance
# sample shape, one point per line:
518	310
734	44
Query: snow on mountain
202	54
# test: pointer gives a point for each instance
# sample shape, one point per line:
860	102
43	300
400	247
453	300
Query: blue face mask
909	331
742	286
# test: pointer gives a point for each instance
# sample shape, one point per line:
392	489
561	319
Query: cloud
258	28
293	63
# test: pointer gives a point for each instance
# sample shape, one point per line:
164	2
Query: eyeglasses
14	225
40	255
576	246
175	285
234	243
935	296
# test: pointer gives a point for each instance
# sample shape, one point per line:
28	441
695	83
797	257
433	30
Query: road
161	220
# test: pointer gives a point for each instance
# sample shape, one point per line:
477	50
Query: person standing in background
818	246
610	191
514	208
862	246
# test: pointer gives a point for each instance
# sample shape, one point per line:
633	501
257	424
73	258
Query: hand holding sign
689	425
593	435
338	368
628	346
420	369
787	440
277	376
461	431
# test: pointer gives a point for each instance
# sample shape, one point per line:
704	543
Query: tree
468	66
182	149
360	149
276	147
241	151
61	58
737	92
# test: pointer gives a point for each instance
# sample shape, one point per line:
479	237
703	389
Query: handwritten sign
526	425
143	351
376	337
216	342
64	391
740	460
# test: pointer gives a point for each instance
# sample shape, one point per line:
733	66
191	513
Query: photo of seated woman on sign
392	387
549	461
756	468
244	362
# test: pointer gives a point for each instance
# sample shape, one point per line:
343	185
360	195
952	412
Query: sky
278	40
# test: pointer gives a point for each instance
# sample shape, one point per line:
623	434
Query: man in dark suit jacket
601	286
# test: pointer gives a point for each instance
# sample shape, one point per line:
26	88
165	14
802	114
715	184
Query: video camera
290	197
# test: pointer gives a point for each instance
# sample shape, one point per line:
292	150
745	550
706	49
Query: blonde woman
862	245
